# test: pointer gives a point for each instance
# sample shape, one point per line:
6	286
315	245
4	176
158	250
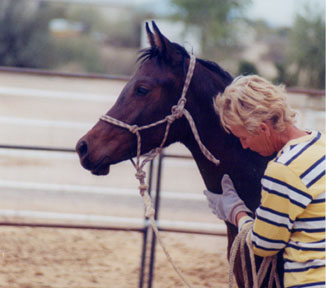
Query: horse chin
102	168
101	171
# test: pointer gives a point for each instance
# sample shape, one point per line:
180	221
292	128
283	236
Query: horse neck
210	132
245	167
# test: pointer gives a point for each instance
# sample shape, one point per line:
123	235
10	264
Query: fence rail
41	72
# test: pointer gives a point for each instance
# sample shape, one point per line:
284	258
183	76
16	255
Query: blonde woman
291	215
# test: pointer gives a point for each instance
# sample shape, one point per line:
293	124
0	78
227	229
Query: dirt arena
60	258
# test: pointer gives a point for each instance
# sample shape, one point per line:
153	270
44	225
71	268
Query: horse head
148	97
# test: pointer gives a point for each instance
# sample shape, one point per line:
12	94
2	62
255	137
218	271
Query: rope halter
177	111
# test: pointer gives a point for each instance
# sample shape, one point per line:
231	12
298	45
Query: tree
307	48
24	43
247	68
25	39
215	18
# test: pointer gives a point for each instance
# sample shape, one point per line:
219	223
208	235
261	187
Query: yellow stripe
310	276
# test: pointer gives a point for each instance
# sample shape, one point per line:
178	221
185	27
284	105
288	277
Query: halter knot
170	118
177	111
142	188
182	102
140	175
133	129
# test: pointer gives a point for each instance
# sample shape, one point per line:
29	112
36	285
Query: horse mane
214	67
149	53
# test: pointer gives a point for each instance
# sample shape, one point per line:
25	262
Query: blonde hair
251	100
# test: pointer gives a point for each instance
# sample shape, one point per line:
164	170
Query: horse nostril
82	148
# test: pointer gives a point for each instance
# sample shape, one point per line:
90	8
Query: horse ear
162	43
150	36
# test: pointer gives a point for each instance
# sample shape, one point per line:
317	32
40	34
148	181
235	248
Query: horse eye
141	91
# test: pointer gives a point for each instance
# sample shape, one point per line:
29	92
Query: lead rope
257	278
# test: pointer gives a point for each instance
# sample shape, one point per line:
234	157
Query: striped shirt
292	211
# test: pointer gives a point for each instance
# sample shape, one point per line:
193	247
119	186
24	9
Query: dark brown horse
148	97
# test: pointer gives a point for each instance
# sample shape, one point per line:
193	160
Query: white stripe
309	245
314	173
298	265
315	286
284	190
286	156
321	196
266	244
285	150
309	224
274	217
39	93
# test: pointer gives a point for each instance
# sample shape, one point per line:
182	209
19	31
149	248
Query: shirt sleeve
244	221
284	198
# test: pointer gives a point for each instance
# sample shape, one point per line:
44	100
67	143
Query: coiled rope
239	244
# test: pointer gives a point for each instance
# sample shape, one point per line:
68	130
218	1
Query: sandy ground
60	258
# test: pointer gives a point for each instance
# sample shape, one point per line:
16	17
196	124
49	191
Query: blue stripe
264	248
267	239
247	221
313	181
308	285
310	219
304	148
276	213
312	167
302	269
315	201
315	230
273	223
304	248
286	196
288	186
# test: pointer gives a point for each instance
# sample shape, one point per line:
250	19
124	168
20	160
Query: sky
280	12
275	12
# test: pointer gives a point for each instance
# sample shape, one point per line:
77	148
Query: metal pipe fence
41	72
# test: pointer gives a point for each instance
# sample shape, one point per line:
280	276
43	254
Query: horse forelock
152	52
147	54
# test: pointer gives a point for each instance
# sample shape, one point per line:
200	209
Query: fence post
156	207
145	233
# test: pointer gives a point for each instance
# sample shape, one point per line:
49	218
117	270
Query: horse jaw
102	168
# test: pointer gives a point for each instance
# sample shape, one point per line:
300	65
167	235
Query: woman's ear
265	129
